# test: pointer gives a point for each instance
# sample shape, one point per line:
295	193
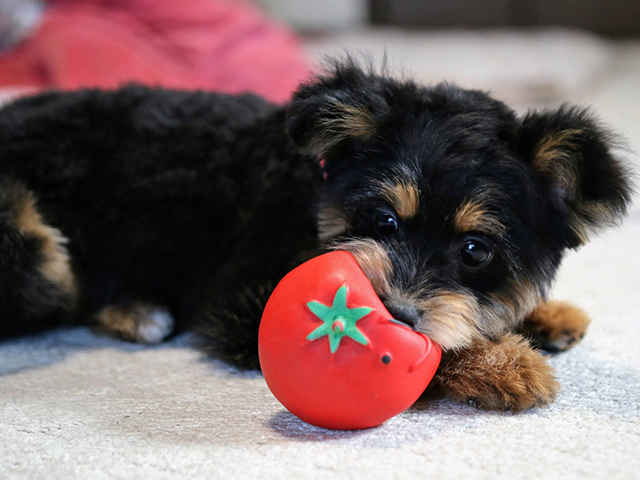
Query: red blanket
224	45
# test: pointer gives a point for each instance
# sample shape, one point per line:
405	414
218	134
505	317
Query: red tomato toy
332	354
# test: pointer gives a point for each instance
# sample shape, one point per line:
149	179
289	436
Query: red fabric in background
224	45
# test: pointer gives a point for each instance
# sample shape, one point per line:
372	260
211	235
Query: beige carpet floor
77	405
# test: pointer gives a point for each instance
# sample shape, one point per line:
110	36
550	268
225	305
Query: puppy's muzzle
404	312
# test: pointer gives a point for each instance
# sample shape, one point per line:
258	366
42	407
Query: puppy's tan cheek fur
374	261
450	318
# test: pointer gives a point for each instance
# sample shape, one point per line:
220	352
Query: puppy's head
457	210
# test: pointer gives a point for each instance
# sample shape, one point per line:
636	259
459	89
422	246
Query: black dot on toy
386	359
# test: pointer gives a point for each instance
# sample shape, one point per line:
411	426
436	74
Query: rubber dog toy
332	354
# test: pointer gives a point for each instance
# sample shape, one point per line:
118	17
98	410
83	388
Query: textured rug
77	405
74	404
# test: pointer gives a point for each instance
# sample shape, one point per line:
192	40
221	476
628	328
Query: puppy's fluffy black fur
163	195
457	210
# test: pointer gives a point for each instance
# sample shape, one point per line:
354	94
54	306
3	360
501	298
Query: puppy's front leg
503	374
555	326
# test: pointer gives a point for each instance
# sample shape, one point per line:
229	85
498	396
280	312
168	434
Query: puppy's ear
345	105
572	158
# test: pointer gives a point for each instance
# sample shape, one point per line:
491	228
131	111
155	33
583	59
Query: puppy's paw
556	326
526	382
137	322
503	375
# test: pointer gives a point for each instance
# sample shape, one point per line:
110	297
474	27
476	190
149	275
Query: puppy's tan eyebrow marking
403	196
474	216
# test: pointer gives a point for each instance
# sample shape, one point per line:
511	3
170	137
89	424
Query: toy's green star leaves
318	309
338	320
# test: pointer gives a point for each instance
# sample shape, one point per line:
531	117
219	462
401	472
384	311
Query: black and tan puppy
146	209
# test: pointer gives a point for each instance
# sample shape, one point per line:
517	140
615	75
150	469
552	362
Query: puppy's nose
404	312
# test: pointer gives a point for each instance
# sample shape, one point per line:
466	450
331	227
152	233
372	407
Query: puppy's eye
386	223
476	253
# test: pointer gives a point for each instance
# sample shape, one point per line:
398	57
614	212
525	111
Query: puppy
146	210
